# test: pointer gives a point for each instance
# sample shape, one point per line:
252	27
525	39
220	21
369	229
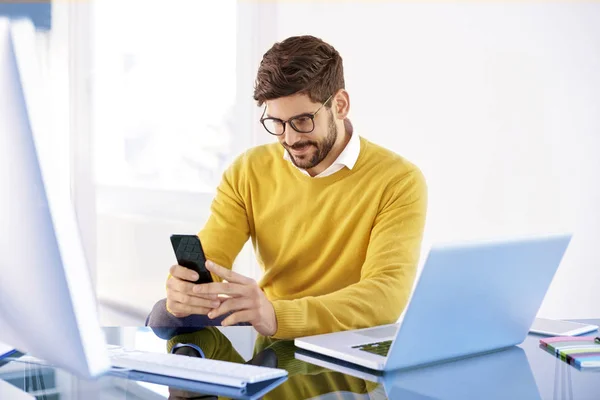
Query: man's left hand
247	302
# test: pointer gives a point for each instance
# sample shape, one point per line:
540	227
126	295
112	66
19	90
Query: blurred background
498	104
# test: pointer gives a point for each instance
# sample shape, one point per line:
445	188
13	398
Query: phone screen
189	254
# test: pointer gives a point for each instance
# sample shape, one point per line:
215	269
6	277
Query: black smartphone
189	254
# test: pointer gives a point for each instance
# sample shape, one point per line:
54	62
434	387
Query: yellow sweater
338	252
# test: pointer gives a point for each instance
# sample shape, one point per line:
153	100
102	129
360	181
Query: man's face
306	150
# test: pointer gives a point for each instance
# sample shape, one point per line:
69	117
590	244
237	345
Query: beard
320	149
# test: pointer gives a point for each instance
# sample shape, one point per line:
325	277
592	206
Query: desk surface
522	372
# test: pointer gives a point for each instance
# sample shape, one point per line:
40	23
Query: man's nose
291	136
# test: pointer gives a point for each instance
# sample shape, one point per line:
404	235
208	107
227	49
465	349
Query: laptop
470	299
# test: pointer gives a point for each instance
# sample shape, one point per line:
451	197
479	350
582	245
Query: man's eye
302	121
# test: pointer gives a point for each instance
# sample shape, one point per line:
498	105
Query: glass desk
522	372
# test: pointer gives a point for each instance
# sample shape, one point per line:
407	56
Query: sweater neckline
341	174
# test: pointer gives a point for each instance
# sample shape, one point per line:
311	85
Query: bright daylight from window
163	84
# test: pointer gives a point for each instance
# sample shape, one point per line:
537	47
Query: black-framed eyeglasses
303	123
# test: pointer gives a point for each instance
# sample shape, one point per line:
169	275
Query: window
164	90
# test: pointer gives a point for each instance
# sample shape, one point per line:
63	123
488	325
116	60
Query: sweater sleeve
387	275
227	228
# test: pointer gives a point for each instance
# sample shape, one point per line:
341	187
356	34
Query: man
335	220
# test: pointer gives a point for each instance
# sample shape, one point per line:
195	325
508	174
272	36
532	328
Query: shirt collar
347	157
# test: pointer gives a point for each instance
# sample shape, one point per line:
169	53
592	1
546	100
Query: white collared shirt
347	158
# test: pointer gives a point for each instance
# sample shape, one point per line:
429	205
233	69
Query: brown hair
299	64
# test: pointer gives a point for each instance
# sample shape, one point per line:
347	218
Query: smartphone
555	327
189	253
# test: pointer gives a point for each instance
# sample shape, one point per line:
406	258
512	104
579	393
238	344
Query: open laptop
47	303
470	299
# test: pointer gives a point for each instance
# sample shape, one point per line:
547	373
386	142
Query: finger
233	304
178	285
239	316
168	305
228	274
173	313
184	273
216	288
194	300
186	309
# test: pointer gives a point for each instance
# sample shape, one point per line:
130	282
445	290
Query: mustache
300	145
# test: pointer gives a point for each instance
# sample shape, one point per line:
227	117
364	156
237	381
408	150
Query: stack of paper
579	351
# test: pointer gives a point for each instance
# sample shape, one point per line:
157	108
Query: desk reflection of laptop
501	375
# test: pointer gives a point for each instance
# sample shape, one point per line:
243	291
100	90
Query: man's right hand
181	299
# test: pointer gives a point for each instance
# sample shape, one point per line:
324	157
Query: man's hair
299	64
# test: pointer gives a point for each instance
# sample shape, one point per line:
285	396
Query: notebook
579	351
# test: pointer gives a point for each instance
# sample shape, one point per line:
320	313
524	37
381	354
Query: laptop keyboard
379	348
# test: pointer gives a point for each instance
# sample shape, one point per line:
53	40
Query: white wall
499	104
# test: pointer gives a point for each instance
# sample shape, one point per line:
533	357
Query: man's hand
181	298
247	302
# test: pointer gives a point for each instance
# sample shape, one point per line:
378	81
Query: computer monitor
47	304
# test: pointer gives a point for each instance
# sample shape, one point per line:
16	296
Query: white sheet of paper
8	391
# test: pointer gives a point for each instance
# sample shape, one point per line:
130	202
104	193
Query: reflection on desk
524	372
304	381
520	372
499	375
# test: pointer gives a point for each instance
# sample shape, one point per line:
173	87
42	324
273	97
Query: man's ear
341	104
